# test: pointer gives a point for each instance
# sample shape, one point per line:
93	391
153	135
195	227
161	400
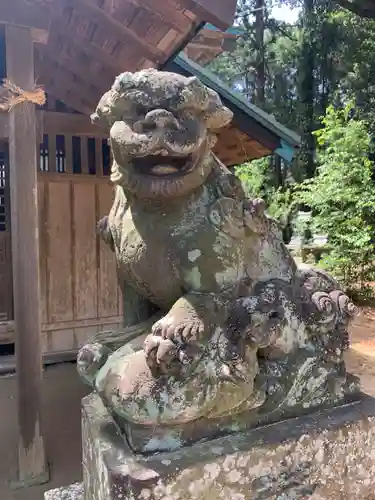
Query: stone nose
157	119
161	118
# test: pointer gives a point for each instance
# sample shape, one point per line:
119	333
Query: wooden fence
79	293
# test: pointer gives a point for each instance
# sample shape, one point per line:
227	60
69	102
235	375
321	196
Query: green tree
306	88
260	181
342	195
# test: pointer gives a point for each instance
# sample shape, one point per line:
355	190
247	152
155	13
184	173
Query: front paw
179	330
162	355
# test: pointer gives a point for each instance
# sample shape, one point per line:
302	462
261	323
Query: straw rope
11	95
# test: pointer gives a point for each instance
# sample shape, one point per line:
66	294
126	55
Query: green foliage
280	52
258	180
308	70
255	177
342	196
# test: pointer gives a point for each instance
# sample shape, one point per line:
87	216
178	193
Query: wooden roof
82	45
252	133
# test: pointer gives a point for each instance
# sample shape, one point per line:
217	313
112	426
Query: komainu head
162	129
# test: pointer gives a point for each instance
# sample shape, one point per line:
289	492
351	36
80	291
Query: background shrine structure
57	280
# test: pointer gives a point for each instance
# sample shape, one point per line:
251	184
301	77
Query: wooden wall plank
85	252
82	335
108	289
32	465
73	178
59	252
61	340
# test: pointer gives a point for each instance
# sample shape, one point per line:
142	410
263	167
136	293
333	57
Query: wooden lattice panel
3	195
6	288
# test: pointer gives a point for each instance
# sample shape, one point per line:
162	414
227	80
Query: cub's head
162	129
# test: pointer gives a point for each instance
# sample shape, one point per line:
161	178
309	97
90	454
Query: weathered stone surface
72	492
237	335
329	455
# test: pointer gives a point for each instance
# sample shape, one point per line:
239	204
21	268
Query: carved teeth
162	152
164	169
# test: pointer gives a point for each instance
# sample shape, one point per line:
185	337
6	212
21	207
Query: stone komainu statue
235	334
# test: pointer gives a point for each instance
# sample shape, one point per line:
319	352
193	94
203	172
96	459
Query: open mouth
164	165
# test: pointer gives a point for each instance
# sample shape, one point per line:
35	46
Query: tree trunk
306	90
260	60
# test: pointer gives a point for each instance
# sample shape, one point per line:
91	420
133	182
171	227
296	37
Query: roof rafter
166	12
66	97
70	36
50	71
86	9
55	51
218	12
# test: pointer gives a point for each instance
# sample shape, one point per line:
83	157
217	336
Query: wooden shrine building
57	280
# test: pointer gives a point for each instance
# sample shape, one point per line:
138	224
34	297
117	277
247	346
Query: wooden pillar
25	252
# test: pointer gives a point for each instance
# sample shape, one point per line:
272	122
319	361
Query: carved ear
106	111
217	115
194	94
123	82
212	140
219	118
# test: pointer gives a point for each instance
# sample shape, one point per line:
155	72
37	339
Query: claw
166	352
170	332
157	329
152	342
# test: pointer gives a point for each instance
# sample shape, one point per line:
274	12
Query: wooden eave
252	133
209	43
82	45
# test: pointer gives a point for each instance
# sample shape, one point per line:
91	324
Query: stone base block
72	492
328	455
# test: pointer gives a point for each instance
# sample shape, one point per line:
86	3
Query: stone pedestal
328	455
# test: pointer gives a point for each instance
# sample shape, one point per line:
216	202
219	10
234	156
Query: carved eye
148	126
140	110
273	315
